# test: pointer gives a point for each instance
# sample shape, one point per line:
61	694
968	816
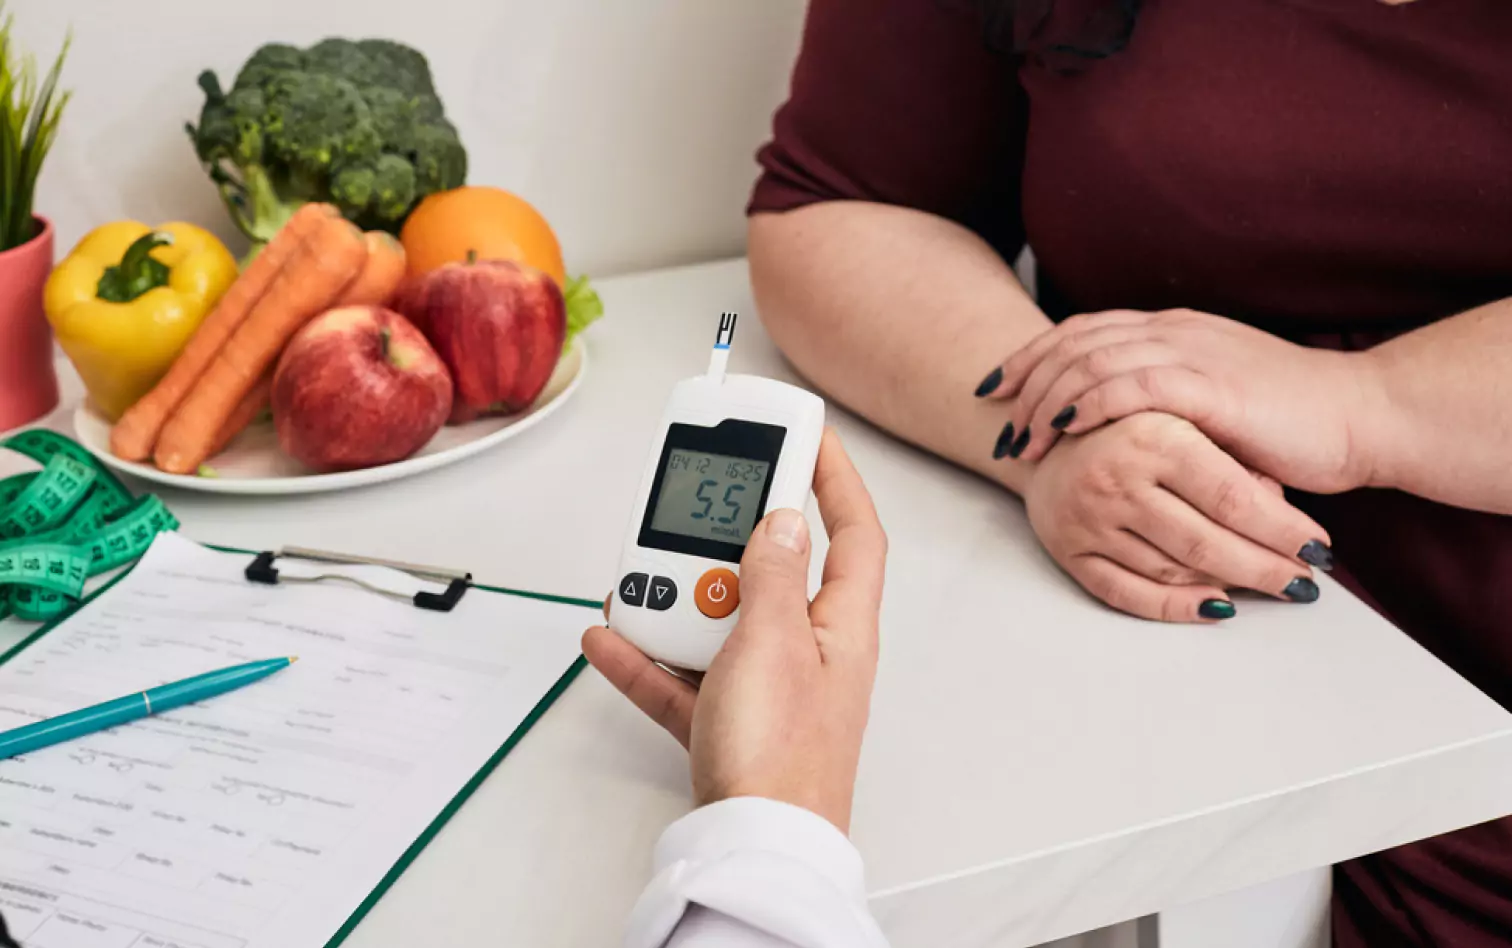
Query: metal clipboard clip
262	570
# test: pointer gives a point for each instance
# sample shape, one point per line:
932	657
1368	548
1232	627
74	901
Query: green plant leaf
30	113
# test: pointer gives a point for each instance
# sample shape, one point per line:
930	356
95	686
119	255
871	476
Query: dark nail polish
1216	609
1004	443
990	383
1066	416
1019	444
1314	553
1301	589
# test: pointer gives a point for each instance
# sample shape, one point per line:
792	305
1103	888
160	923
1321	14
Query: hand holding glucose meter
728	449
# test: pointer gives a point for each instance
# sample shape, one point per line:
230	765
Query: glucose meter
728	449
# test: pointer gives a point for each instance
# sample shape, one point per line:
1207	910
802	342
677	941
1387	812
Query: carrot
312	279
379	278
135	435
245	412
381	275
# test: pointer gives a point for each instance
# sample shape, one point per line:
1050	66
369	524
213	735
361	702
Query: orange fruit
490	223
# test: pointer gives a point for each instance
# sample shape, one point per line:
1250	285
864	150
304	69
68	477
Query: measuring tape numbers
65	523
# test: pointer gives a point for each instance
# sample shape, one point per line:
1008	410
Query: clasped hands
1172	434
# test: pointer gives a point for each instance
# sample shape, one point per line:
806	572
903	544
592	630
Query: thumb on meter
774	575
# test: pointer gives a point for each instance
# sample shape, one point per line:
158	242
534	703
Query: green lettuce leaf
583	307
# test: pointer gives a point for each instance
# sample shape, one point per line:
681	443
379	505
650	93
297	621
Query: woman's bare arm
899	315
1442	424
902	120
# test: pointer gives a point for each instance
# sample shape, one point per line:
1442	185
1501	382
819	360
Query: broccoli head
406	67
315	122
384	188
357	124
396	117
439	157
272	60
230	127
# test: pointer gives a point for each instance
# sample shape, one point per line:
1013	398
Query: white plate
253	463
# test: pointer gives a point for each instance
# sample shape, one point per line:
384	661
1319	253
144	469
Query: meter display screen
711	488
715	496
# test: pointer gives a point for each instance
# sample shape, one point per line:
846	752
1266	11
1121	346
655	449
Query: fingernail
990	383
1004	443
1314	553
1066	416
1019	444
1216	609
1302	589
788	529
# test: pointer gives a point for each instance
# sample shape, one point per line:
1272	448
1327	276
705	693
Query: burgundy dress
1334	171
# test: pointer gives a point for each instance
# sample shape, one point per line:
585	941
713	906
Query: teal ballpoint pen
75	724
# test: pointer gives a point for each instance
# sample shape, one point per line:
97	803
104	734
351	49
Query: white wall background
630	123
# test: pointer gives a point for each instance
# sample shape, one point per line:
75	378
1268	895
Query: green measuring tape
65	523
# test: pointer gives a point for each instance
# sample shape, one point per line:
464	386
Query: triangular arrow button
663	594
633	589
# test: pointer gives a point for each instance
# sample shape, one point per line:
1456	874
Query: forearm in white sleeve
754	873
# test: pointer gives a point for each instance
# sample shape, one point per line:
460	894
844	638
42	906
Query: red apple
498	325
358	387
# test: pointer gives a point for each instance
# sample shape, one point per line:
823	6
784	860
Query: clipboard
459	583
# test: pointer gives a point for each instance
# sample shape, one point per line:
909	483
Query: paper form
262	818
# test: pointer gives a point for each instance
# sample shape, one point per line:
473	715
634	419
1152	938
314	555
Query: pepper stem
384	336
472	256
137	272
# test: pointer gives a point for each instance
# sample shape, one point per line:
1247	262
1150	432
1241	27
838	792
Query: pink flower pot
28	384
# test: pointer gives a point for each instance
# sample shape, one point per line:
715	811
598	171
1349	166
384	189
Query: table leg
1291	912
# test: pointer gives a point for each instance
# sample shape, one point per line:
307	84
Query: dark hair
5	938
1023	28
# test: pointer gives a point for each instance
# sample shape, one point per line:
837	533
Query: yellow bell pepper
126	301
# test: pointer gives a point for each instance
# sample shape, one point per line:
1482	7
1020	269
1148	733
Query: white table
1036	765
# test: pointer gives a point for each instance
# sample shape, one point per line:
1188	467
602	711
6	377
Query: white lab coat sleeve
754	873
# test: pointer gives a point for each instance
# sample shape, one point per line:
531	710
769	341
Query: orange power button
717	593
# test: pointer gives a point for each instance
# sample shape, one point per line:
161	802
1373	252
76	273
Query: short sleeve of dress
900	102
